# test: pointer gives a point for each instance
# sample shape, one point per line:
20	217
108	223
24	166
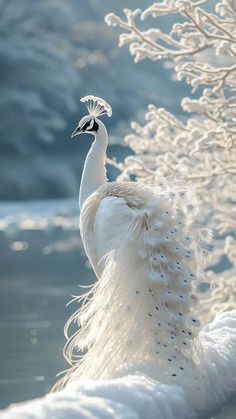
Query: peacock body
147	254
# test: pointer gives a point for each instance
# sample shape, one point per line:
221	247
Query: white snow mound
137	396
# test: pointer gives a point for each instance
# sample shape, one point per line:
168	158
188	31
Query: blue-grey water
41	267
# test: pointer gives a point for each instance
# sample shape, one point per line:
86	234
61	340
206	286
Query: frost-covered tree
37	75
201	48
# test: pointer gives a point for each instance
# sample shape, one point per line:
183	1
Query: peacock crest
96	106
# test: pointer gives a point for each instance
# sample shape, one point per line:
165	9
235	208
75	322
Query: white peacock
147	255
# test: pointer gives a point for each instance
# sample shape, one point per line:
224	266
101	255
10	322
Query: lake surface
41	267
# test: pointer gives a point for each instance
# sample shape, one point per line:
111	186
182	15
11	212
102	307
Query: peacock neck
94	171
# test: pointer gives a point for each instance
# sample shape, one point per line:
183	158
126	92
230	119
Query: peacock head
90	124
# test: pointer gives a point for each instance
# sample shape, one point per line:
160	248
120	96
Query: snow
130	397
138	396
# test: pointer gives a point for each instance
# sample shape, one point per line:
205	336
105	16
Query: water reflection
42	266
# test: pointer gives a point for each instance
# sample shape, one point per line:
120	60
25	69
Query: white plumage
147	256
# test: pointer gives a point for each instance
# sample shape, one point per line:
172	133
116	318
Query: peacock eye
85	126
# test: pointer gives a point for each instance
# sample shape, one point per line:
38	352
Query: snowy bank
138	396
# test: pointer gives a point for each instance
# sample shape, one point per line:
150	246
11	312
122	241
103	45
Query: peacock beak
77	131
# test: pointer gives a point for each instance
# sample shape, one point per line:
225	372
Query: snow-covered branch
199	31
201	46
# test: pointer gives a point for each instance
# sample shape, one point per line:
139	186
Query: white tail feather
140	313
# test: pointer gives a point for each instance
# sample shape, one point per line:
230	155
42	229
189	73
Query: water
42	267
